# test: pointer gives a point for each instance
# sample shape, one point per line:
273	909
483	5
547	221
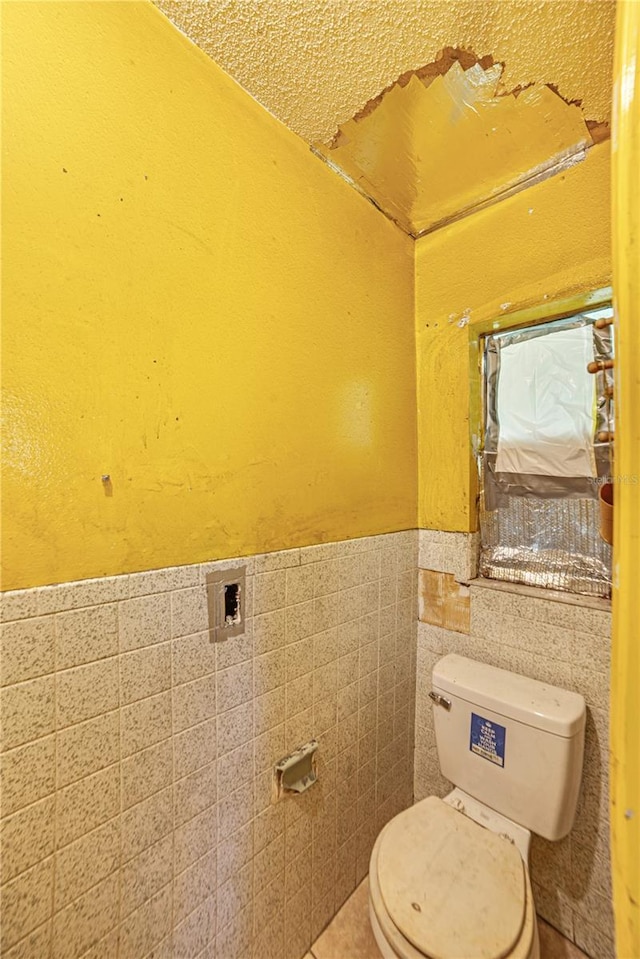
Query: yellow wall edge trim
625	666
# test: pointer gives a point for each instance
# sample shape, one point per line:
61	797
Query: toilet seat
444	887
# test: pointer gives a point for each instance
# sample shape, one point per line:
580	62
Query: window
546	451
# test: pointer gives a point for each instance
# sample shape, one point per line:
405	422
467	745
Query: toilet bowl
442	886
449	878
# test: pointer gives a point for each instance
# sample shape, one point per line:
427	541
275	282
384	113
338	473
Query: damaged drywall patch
447	139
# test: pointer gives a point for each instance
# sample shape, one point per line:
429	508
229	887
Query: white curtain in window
545	405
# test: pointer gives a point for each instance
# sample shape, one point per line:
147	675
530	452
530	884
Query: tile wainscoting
137	810
556	638
138	817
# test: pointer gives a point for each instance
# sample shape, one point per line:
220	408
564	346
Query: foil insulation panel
552	543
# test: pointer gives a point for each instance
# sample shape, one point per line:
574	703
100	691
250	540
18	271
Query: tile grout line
172	642
120	777
56	791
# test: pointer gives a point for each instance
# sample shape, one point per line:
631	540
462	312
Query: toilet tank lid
529	701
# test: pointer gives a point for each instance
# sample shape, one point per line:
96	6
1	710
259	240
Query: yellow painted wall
194	305
625	655
544	244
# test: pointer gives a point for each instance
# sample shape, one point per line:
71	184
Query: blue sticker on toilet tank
487	739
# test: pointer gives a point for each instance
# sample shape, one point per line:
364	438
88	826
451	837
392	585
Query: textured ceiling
316	63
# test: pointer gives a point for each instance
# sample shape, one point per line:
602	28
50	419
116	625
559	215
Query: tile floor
349	935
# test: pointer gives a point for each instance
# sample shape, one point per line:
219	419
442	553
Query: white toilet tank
513	743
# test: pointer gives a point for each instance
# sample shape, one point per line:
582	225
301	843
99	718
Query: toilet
449	878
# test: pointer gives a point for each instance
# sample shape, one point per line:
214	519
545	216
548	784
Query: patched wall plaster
314	65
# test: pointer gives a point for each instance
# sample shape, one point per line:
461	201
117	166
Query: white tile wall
445	552
564	641
136	757
137	806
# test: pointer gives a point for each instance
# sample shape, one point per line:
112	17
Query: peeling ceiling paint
442	142
314	65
